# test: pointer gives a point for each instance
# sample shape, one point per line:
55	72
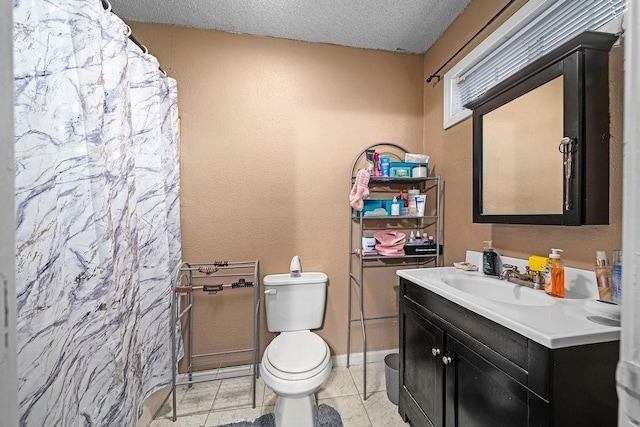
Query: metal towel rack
199	277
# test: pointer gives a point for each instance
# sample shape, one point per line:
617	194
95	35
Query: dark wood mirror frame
583	63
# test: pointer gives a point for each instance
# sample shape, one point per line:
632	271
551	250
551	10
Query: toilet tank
295	303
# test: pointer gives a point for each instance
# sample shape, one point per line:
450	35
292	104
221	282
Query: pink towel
390	251
390	237
360	190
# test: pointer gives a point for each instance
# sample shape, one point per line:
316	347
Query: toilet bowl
295	365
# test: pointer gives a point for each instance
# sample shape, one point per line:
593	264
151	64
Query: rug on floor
327	417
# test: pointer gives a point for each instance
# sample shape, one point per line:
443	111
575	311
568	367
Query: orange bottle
554	274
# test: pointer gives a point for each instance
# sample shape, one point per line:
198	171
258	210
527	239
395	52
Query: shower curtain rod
469	41
107	7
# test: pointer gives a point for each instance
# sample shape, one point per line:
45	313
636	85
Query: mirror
520	140
522	172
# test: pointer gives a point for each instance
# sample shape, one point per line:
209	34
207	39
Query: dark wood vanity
458	368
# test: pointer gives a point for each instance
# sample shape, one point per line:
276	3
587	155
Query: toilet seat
296	355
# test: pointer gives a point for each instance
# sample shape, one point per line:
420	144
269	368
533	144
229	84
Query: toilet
297	362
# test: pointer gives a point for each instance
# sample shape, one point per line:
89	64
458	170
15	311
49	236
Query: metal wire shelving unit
359	224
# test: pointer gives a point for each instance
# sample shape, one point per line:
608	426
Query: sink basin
498	290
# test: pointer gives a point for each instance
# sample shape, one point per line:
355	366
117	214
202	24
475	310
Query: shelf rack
199	277
358	262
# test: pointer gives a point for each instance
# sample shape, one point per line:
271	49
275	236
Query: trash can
392	377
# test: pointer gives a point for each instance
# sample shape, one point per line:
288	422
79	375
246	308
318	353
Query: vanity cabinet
458	368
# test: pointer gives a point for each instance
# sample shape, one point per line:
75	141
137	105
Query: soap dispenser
554	274
489	259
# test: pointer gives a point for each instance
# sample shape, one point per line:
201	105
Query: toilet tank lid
306	278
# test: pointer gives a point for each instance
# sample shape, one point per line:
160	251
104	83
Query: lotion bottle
554	274
395	207
489	259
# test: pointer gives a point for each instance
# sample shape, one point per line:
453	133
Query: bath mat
327	417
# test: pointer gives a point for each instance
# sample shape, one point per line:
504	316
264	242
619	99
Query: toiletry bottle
489	259
412	238
554	274
369	164
384	165
395	207
418	238
604	277
617	276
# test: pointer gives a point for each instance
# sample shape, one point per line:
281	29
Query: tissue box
416	158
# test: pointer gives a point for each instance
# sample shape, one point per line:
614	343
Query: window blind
558	23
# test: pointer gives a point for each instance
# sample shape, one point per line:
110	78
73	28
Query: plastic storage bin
373	204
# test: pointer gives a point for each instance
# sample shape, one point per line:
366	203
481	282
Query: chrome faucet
533	280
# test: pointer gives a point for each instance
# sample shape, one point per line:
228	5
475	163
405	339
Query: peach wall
451	151
269	129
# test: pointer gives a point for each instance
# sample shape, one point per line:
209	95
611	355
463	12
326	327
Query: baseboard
358	358
235	371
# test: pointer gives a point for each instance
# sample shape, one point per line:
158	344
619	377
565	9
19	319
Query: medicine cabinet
541	140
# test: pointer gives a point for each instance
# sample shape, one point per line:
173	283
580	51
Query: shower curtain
97	216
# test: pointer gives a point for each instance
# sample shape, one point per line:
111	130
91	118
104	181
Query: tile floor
229	400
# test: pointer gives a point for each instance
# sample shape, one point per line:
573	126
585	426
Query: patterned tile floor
229	400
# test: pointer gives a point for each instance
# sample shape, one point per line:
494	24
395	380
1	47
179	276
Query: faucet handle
507	269
510	267
538	280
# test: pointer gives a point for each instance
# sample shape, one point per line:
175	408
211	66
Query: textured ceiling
393	25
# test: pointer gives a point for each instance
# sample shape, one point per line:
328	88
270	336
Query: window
535	29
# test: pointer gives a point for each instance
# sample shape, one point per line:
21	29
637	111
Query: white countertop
561	324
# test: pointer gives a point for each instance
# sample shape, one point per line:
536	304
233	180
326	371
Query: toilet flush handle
270	292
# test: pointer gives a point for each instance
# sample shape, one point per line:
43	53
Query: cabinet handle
435	351
447	359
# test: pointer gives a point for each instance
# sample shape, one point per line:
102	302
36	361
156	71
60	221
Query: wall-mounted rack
206	278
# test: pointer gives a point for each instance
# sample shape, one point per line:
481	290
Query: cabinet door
422	375
480	394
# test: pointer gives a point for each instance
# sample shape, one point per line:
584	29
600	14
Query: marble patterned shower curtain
97	216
